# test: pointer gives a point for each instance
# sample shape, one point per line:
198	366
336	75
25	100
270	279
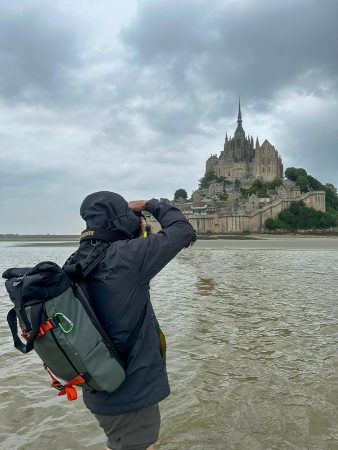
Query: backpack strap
15	290
94	258
77	272
36	319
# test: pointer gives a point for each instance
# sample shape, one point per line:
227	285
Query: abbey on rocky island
220	205
244	161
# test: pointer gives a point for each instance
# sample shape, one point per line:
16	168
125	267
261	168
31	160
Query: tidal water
252	331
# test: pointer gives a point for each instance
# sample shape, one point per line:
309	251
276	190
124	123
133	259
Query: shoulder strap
77	272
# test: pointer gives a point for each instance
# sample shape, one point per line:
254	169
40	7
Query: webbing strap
79	271
68	388
13	325
18	303
36	317
94	258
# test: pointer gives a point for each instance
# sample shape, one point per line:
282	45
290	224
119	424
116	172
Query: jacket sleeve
159	249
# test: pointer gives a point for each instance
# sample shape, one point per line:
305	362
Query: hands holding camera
137	205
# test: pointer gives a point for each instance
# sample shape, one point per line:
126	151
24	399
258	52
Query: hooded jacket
119	291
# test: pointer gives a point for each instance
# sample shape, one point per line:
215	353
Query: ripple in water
252	358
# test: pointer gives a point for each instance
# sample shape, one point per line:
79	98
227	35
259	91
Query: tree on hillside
208	178
331	197
314	184
223	196
180	193
276	182
303	183
260	187
299	217
307	183
292	173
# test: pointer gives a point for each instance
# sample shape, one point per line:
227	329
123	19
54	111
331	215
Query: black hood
109	211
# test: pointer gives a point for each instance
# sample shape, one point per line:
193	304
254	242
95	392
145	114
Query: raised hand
137	205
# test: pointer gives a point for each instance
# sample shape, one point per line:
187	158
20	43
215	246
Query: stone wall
251	222
254	221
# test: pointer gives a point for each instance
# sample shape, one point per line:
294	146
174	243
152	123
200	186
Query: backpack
59	323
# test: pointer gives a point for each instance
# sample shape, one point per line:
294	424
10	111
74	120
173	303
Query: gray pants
135	430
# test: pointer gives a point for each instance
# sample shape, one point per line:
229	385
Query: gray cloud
36	55
253	47
263	51
135	101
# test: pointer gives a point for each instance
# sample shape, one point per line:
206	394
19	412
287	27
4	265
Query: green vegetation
180	193
300	217
223	197
308	183
260	188
208	178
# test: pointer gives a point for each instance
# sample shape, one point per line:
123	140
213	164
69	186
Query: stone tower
240	159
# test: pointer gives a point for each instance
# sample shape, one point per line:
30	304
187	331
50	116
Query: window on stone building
263	170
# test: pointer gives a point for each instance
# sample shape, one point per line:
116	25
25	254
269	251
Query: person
119	291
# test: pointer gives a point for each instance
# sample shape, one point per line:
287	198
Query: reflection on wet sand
205	286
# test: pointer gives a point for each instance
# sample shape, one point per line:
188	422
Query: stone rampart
254	221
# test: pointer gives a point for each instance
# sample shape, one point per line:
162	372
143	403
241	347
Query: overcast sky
134	96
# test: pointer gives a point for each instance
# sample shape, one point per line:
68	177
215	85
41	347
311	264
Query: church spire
239	129
239	111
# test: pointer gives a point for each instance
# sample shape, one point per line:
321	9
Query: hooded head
109	211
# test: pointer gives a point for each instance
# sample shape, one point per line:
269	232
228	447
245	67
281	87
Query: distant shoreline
250	236
39	237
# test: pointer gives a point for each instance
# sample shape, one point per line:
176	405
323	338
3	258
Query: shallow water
252	330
